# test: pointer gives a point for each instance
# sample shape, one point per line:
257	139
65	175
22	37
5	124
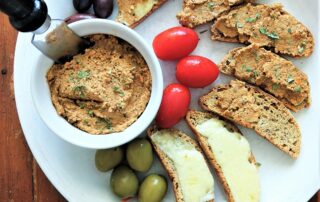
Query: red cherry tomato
196	71
175	43
174	105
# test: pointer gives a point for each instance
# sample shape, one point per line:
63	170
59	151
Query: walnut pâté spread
103	90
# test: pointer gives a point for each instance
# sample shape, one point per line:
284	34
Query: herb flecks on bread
251	107
270	72
198	12
266	26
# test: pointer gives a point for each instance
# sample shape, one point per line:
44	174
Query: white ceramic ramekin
42	99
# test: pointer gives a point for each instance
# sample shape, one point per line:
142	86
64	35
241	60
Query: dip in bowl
100	107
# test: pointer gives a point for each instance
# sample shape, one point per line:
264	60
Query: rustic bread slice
229	153
185	164
251	107
265	25
198	12
133	12
271	73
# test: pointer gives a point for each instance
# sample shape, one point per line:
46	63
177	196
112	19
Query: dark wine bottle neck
25	15
17	8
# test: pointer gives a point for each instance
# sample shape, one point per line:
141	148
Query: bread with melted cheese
229	154
133	12
185	164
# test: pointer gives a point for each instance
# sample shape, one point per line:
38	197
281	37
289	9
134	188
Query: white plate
71	169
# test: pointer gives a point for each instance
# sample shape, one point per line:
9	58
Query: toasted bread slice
133	12
197	12
251	107
270	72
183	160
267	26
229	153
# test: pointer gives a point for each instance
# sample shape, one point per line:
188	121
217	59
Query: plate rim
39	156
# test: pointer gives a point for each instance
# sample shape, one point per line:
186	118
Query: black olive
82	5
103	8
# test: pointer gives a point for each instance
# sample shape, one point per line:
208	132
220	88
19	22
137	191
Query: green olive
139	155
124	182
107	159
153	189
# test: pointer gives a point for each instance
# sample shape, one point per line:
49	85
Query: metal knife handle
25	15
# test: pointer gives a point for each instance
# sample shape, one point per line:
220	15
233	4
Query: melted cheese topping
232	151
131	11
143	8
194	175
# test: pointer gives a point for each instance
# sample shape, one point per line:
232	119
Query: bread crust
166	162
192	119
253	108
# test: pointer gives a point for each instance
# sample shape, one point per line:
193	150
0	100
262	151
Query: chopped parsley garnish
211	5
273	17
275	87
290	30
302	47
290	79
90	113
105	122
255	73
86	122
80	104
253	19
250	19
297	89
80	90
116	89
263	30
271	35
83	74
239	25
258	164
71	77
248	69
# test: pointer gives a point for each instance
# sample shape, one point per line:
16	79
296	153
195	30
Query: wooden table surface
21	179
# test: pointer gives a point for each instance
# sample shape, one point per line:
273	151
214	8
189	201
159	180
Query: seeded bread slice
195	118
251	107
133	12
198	12
267	26
167	163
270	72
